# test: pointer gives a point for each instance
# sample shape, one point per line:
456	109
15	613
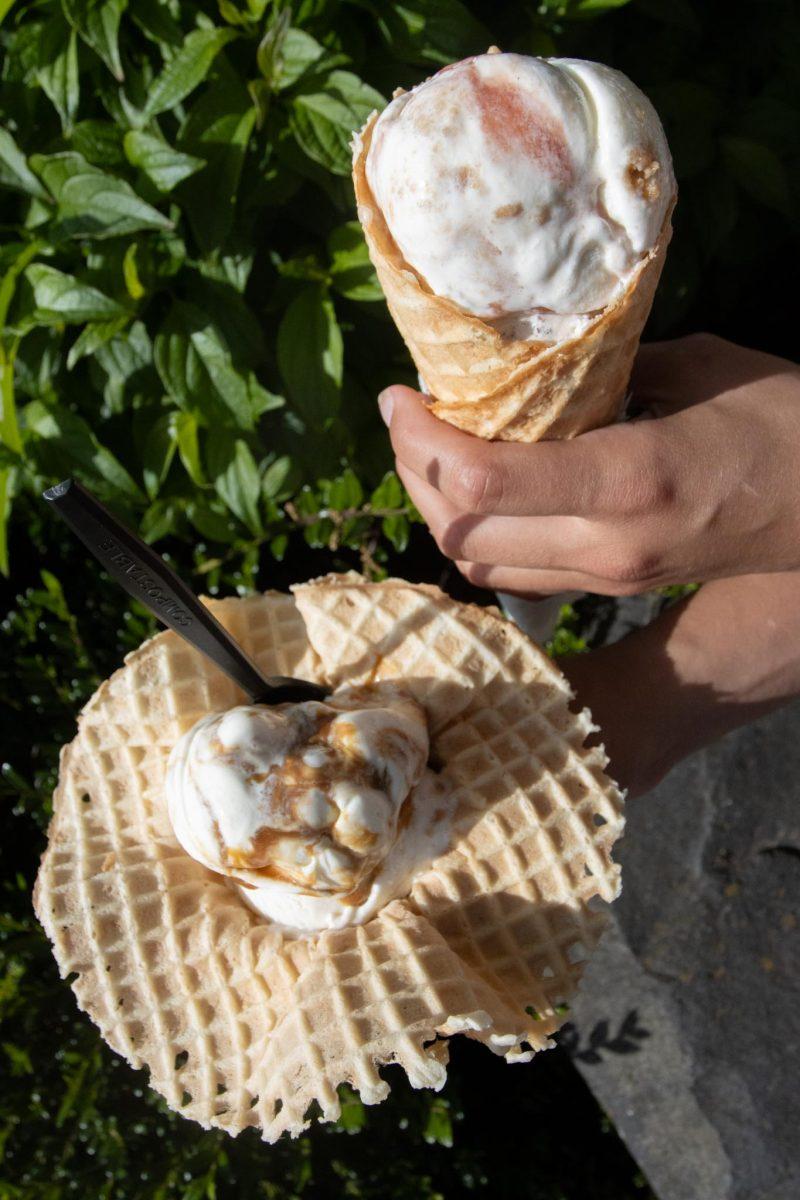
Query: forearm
721	658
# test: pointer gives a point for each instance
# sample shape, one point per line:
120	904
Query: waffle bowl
241	1025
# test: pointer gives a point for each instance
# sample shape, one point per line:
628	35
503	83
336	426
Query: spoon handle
145	576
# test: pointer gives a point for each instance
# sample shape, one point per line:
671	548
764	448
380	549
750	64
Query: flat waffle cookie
241	1025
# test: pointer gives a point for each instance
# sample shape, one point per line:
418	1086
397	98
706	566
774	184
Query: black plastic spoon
145	576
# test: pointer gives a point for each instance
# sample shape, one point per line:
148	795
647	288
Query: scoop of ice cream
524	189
303	805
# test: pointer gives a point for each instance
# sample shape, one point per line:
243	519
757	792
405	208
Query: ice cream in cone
517	212
243	1020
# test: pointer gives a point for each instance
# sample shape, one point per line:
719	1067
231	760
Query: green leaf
323	122
38	359
160	520
345	492
269	49
261	399
75	1081
97	21
123	357
214	525
195	366
566	640
16	266
75	442
233	471
253	11
353	1115
92	337
19	1059
240	329
60	297
130	273
5	513
186	70
58	69
276	476
232	268
598	6
163	166
155	21
439	1127
759	172
298	51
158	453
432	31
99	142
9	426
217	129
388	493
352	273
92	203
14	170
305	266
397	530
310	355
227	383
183	428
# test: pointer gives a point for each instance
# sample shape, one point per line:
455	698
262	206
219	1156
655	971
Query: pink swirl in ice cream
525	190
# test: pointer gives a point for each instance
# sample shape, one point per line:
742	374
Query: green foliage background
190	325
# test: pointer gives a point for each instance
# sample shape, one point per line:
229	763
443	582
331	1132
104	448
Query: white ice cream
524	189
320	812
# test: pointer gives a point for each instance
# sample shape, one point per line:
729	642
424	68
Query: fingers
552	542
519	581
535	554
602	473
546	517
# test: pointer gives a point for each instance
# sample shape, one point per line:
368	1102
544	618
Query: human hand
707	488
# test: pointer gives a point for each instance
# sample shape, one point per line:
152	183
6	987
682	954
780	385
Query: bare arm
721	658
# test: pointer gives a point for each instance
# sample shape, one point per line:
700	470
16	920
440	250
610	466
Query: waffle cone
241	1025
493	386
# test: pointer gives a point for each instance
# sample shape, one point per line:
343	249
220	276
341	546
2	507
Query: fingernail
386	404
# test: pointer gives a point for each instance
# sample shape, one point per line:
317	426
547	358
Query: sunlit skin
728	654
704	486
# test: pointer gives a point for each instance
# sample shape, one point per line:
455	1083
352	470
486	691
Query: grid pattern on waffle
239	1026
513	899
163	949
395	630
373	994
538	815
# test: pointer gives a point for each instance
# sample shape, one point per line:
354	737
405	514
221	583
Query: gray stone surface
687	1026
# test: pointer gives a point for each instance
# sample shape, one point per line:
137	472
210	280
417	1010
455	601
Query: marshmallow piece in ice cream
525	190
307	807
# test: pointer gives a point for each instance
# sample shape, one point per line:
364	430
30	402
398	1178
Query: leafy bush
190	324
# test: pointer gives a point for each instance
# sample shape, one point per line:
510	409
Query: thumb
390	397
